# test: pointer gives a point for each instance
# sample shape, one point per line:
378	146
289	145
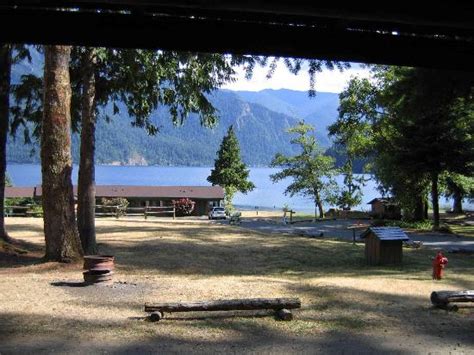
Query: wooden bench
445	299
281	306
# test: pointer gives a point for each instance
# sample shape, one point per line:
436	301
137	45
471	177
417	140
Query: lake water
266	195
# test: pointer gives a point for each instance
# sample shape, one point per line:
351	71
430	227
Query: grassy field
346	305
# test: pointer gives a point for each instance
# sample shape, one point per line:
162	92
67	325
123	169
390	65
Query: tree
312	172
5	72
352	194
229	170
458	187
139	81
432	118
9	54
61	236
420	125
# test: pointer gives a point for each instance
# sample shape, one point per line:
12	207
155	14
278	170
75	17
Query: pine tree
229	170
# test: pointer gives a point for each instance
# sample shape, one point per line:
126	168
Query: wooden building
385	208
384	245
205	197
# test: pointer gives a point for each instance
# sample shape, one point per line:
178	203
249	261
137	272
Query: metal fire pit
97	276
99	262
99	268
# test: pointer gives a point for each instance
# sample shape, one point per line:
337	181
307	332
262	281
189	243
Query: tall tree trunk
86	185
435	199
457	203
60	229
315	210
419	211
425	215
319	204
5	70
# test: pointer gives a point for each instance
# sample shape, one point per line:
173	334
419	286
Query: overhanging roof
439	36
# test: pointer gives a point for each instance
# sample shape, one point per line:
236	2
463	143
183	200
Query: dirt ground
347	307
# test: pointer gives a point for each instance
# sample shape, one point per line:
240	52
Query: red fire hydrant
439	263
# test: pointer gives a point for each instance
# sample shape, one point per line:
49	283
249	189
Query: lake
266	195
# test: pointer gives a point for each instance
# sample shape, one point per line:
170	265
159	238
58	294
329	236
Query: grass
464	230
160	260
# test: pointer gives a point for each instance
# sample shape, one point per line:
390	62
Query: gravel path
339	229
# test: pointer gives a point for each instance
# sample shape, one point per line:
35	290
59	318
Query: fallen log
443	298
226	305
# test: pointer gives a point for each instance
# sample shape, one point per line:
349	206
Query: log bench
281	306
445	299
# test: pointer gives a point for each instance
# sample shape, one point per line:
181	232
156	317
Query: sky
326	81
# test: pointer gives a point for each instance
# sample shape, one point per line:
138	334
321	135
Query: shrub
119	202
183	206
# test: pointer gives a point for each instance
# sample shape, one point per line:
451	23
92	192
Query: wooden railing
145	211
100	211
23	211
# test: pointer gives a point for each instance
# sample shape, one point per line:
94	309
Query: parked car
217	213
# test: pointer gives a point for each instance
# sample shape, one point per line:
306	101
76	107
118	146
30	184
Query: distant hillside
260	120
320	111
261	133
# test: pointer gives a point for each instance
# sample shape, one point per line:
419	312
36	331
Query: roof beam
326	39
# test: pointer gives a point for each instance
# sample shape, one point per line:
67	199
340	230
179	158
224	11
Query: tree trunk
60	229
420	207
457	203
319	204
315	210
86	185
435	199
5	72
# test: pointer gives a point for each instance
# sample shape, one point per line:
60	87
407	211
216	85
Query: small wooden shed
383	245
385	208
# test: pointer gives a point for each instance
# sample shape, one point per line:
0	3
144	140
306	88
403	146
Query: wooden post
284	314
155	316
117	212
174	213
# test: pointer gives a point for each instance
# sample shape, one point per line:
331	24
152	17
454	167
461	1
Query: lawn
346	305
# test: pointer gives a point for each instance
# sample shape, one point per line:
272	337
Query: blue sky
326	81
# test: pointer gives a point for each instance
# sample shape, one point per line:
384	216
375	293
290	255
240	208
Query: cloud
326	81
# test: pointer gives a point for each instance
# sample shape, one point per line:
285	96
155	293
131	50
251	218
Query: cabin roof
387	200
386	233
127	191
15	192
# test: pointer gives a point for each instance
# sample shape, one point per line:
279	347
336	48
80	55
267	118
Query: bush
183	206
418	225
120	202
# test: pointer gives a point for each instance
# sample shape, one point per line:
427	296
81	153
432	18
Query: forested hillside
260	120
261	133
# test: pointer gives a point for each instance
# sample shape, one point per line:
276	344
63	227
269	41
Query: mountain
260	120
320	111
261	134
